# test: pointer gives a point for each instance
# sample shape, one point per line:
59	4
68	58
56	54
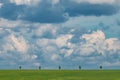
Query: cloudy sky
60	32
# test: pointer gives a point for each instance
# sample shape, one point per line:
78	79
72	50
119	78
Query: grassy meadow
59	74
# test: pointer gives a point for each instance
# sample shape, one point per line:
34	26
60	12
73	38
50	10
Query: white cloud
111	64
1	4
96	1
113	44
16	44
50	53
94	37
67	52
54	1
92	48
45	42
34	56
63	40
42	29
25	2
92	42
36	64
5	23
52	47
56	48
54	57
49	49
16	48
96	42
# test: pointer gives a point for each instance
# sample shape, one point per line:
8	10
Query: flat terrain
59	74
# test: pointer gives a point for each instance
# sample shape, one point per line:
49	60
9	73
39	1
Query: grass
59	74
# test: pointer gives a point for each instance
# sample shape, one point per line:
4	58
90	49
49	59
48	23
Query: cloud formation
44	44
88	9
96	1
96	42
59	10
52	33
25	2
1	5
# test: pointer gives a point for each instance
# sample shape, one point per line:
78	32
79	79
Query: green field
59	74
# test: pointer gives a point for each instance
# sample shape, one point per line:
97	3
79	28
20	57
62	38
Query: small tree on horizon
20	67
39	67
79	67
100	67
59	67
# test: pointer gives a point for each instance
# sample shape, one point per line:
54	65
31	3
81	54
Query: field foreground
59	74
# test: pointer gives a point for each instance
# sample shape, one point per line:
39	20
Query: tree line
59	67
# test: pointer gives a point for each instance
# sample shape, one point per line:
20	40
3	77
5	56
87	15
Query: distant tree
59	67
100	67
79	67
39	67
20	67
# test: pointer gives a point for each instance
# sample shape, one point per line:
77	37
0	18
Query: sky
69	33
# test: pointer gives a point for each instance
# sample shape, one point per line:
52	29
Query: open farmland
59	74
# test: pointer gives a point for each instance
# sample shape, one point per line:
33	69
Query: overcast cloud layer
59	10
59	32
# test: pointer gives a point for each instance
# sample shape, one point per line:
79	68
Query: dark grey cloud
46	12
87	9
11	11
43	13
